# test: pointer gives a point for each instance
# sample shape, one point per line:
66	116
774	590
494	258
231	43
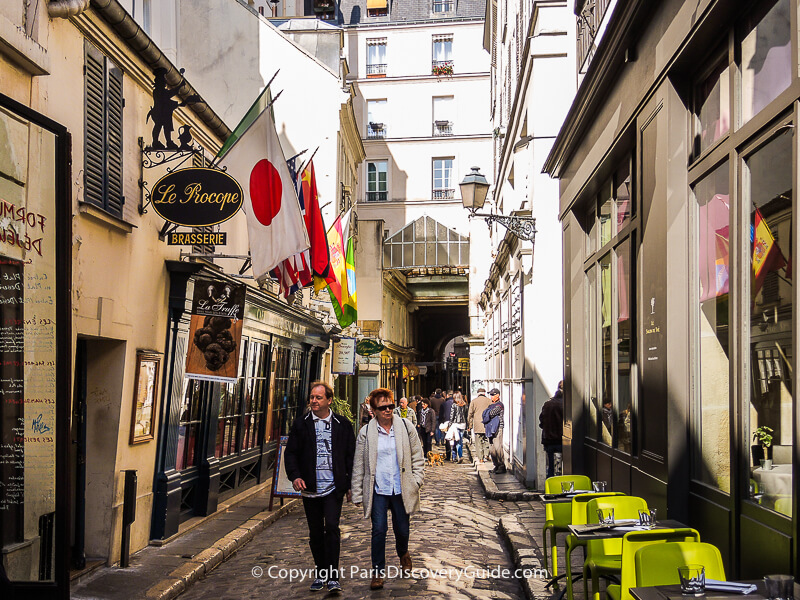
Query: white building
533	82
424	78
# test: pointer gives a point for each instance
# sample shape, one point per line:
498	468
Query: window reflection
712	461
712	107
624	404
769	411
766	56
607	413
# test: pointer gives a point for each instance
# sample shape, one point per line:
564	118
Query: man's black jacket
300	456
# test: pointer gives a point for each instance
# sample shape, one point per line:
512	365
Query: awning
377	4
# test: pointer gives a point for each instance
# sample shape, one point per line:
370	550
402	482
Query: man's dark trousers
323	515
551	448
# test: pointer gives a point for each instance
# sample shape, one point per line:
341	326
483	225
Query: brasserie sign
197	197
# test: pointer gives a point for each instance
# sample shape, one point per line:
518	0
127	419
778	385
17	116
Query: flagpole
309	160
266	108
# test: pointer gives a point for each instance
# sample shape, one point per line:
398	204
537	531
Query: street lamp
474	189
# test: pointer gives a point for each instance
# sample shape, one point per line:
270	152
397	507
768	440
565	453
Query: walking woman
458	423
387	473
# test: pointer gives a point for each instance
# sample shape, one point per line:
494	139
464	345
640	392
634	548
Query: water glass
605	516
567	486
693	580
599	486
779	587
647	518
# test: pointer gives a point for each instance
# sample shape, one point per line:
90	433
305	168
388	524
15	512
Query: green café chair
604	556
558	516
658	564
579	517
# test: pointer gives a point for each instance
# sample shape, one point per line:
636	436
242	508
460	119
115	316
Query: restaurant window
766	56
711	460
102	171
286	402
377	181
255	390
610	305
768	411
190	421
712	119
376	57
230	411
443	187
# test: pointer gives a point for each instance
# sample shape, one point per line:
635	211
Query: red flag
320	254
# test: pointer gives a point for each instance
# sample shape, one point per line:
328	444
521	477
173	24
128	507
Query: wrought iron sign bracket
522	227
155	158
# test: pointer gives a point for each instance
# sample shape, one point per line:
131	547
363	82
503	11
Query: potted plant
762	450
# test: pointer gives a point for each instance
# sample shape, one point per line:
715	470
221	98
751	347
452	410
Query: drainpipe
66	8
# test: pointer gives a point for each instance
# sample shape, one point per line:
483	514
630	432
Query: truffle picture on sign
215	332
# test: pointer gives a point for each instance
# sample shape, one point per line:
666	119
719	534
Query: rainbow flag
342	290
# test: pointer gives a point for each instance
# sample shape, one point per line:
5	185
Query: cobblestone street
455	531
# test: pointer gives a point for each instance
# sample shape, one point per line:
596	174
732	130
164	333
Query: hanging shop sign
463	365
344	357
197	197
423	370
368	347
215	333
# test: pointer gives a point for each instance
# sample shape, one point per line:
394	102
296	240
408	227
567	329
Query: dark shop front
219	438
678	163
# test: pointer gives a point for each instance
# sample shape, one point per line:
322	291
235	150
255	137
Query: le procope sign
197	197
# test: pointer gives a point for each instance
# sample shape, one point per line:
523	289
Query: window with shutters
103	132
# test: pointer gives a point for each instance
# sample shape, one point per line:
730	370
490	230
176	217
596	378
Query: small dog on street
434	458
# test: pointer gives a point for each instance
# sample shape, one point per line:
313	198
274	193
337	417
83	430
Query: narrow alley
455	546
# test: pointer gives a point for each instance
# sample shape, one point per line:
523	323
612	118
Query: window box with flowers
442	68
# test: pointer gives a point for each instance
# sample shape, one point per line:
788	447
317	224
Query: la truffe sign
197	197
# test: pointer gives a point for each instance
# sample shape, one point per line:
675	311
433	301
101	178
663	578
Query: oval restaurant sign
197	197
368	347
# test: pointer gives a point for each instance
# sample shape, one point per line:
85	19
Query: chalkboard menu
28	390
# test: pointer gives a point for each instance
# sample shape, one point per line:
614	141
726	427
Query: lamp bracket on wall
522	227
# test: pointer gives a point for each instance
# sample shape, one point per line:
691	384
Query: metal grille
425	243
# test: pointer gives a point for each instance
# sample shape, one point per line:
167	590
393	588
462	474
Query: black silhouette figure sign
163	108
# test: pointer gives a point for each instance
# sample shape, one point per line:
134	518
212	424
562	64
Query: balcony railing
444	194
376	70
441	128
377	196
440	6
442	67
590	17
376	130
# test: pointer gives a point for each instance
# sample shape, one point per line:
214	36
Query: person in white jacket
388	470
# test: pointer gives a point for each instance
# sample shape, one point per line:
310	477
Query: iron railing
589	20
377	196
444	194
441	128
374	70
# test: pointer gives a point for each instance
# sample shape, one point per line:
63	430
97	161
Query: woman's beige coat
409	457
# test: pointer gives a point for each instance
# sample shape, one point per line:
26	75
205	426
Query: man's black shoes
317	585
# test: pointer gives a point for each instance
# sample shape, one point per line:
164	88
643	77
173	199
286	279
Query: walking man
552	423
319	463
387	474
406	412
493	419
476	407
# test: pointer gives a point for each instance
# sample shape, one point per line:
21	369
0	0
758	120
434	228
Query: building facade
423	78
532	52
75	123
677	164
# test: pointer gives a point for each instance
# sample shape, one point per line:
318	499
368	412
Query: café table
594	532
673	592
562	498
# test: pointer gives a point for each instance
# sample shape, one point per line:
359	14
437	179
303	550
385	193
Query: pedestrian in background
458	424
319	463
493	420
436	406
405	411
387	474
426	425
444	423
551	420
366	412
476	407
